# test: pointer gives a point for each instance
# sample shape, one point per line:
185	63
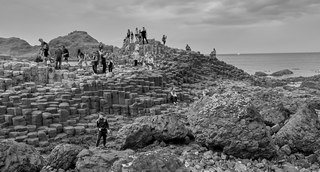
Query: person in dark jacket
58	54
95	62
110	65
65	54
103	128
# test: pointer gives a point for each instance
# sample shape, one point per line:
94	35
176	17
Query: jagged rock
19	157
95	159
155	161
64	156
145	130
260	74
229	122
275	115
302	131
282	72
310	84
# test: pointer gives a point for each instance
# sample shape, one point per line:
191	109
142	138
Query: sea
301	64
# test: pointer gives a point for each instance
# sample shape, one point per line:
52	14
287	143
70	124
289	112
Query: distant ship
238	53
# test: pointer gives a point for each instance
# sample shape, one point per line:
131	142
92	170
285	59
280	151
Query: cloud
209	12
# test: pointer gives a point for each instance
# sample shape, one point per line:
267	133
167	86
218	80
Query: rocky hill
75	40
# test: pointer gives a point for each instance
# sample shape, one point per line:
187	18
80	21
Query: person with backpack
164	39
65	54
103	129
144	35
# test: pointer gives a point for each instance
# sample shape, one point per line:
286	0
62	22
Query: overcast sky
231	26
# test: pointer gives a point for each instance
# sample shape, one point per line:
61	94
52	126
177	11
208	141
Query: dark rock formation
282	72
301	132
275	115
260	74
228	122
145	130
155	161
95	159
19	157
64	156
310	84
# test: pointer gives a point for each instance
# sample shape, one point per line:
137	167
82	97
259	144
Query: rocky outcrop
19	157
310	84
228	122
95	159
155	161
64	156
260	74
145	130
282	72
301	132
275	115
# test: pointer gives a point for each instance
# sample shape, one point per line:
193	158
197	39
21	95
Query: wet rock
301	131
275	115
228	122
19	157
282	72
64	156
155	161
145	130
96	159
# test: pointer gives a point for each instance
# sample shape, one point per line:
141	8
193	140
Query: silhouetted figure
164	39
65	54
188	48
58	54
103	128
44	50
95	62
100	46
80	57
144	35
110	65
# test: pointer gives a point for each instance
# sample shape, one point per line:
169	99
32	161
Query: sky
229	26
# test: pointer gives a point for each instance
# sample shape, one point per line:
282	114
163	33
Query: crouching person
103	129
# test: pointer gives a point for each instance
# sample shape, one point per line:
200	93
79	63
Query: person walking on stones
65	54
58	54
131	34
44	50
164	39
103	61
144	35
173	96
128	35
103	129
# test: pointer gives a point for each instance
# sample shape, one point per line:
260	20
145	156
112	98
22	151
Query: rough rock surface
155	161
145	130
301	132
19	157
260	74
95	159
282	72
64	156
230	123
275	115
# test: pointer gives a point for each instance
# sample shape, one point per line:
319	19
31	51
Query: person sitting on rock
213	54
65	54
188	48
103	129
173	96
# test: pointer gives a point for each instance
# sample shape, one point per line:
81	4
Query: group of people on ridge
140	36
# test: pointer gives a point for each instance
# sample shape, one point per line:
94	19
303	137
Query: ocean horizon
303	64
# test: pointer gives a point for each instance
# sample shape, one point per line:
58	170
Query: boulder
155	161
301	132
276	115
19	157
64	156
145	130
260	74
282	72
230	123
95	159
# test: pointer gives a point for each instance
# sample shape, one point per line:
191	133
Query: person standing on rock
103	129
137	35
65	54
103	61
144	35
95	62
58	54
131	34
110	65
188	48
173	96
80	57
164	39
44	50
100	46
128	35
